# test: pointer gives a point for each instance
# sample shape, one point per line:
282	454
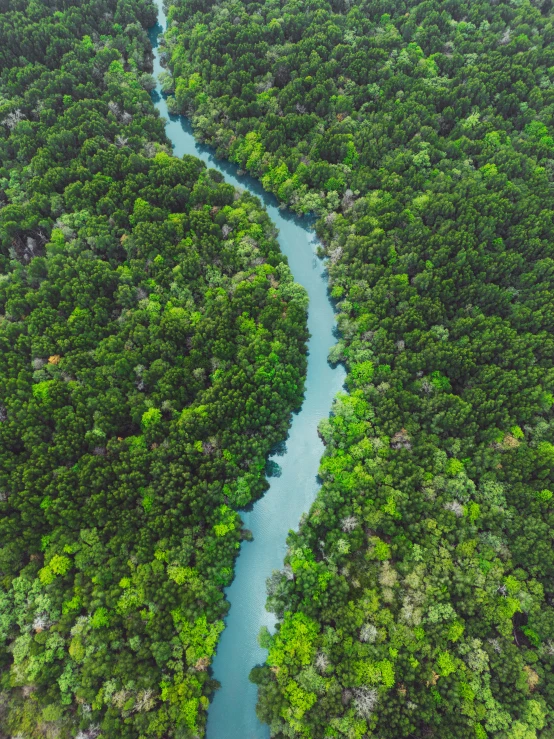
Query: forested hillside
152	348
417	596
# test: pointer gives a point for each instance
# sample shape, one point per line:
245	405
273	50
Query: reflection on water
293	482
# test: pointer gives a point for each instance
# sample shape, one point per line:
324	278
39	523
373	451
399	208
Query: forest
152	349
416	598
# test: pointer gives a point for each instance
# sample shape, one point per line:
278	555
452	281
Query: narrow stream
232	713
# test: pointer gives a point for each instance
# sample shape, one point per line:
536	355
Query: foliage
151	353
422	134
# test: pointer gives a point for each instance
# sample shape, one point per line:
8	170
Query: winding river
232	713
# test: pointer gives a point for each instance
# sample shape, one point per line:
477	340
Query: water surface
232	713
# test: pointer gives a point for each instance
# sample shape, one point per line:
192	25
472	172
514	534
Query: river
232	712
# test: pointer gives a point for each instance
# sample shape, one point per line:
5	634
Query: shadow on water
247	182
207	153
293	464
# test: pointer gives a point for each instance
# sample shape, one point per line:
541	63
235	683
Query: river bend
232	712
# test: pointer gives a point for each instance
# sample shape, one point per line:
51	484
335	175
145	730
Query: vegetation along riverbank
152	350
416	597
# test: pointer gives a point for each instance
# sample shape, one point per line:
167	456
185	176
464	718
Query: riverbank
232	713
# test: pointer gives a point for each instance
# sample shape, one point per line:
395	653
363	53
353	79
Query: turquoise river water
232	713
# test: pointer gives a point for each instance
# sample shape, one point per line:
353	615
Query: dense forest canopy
152	348
417	596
